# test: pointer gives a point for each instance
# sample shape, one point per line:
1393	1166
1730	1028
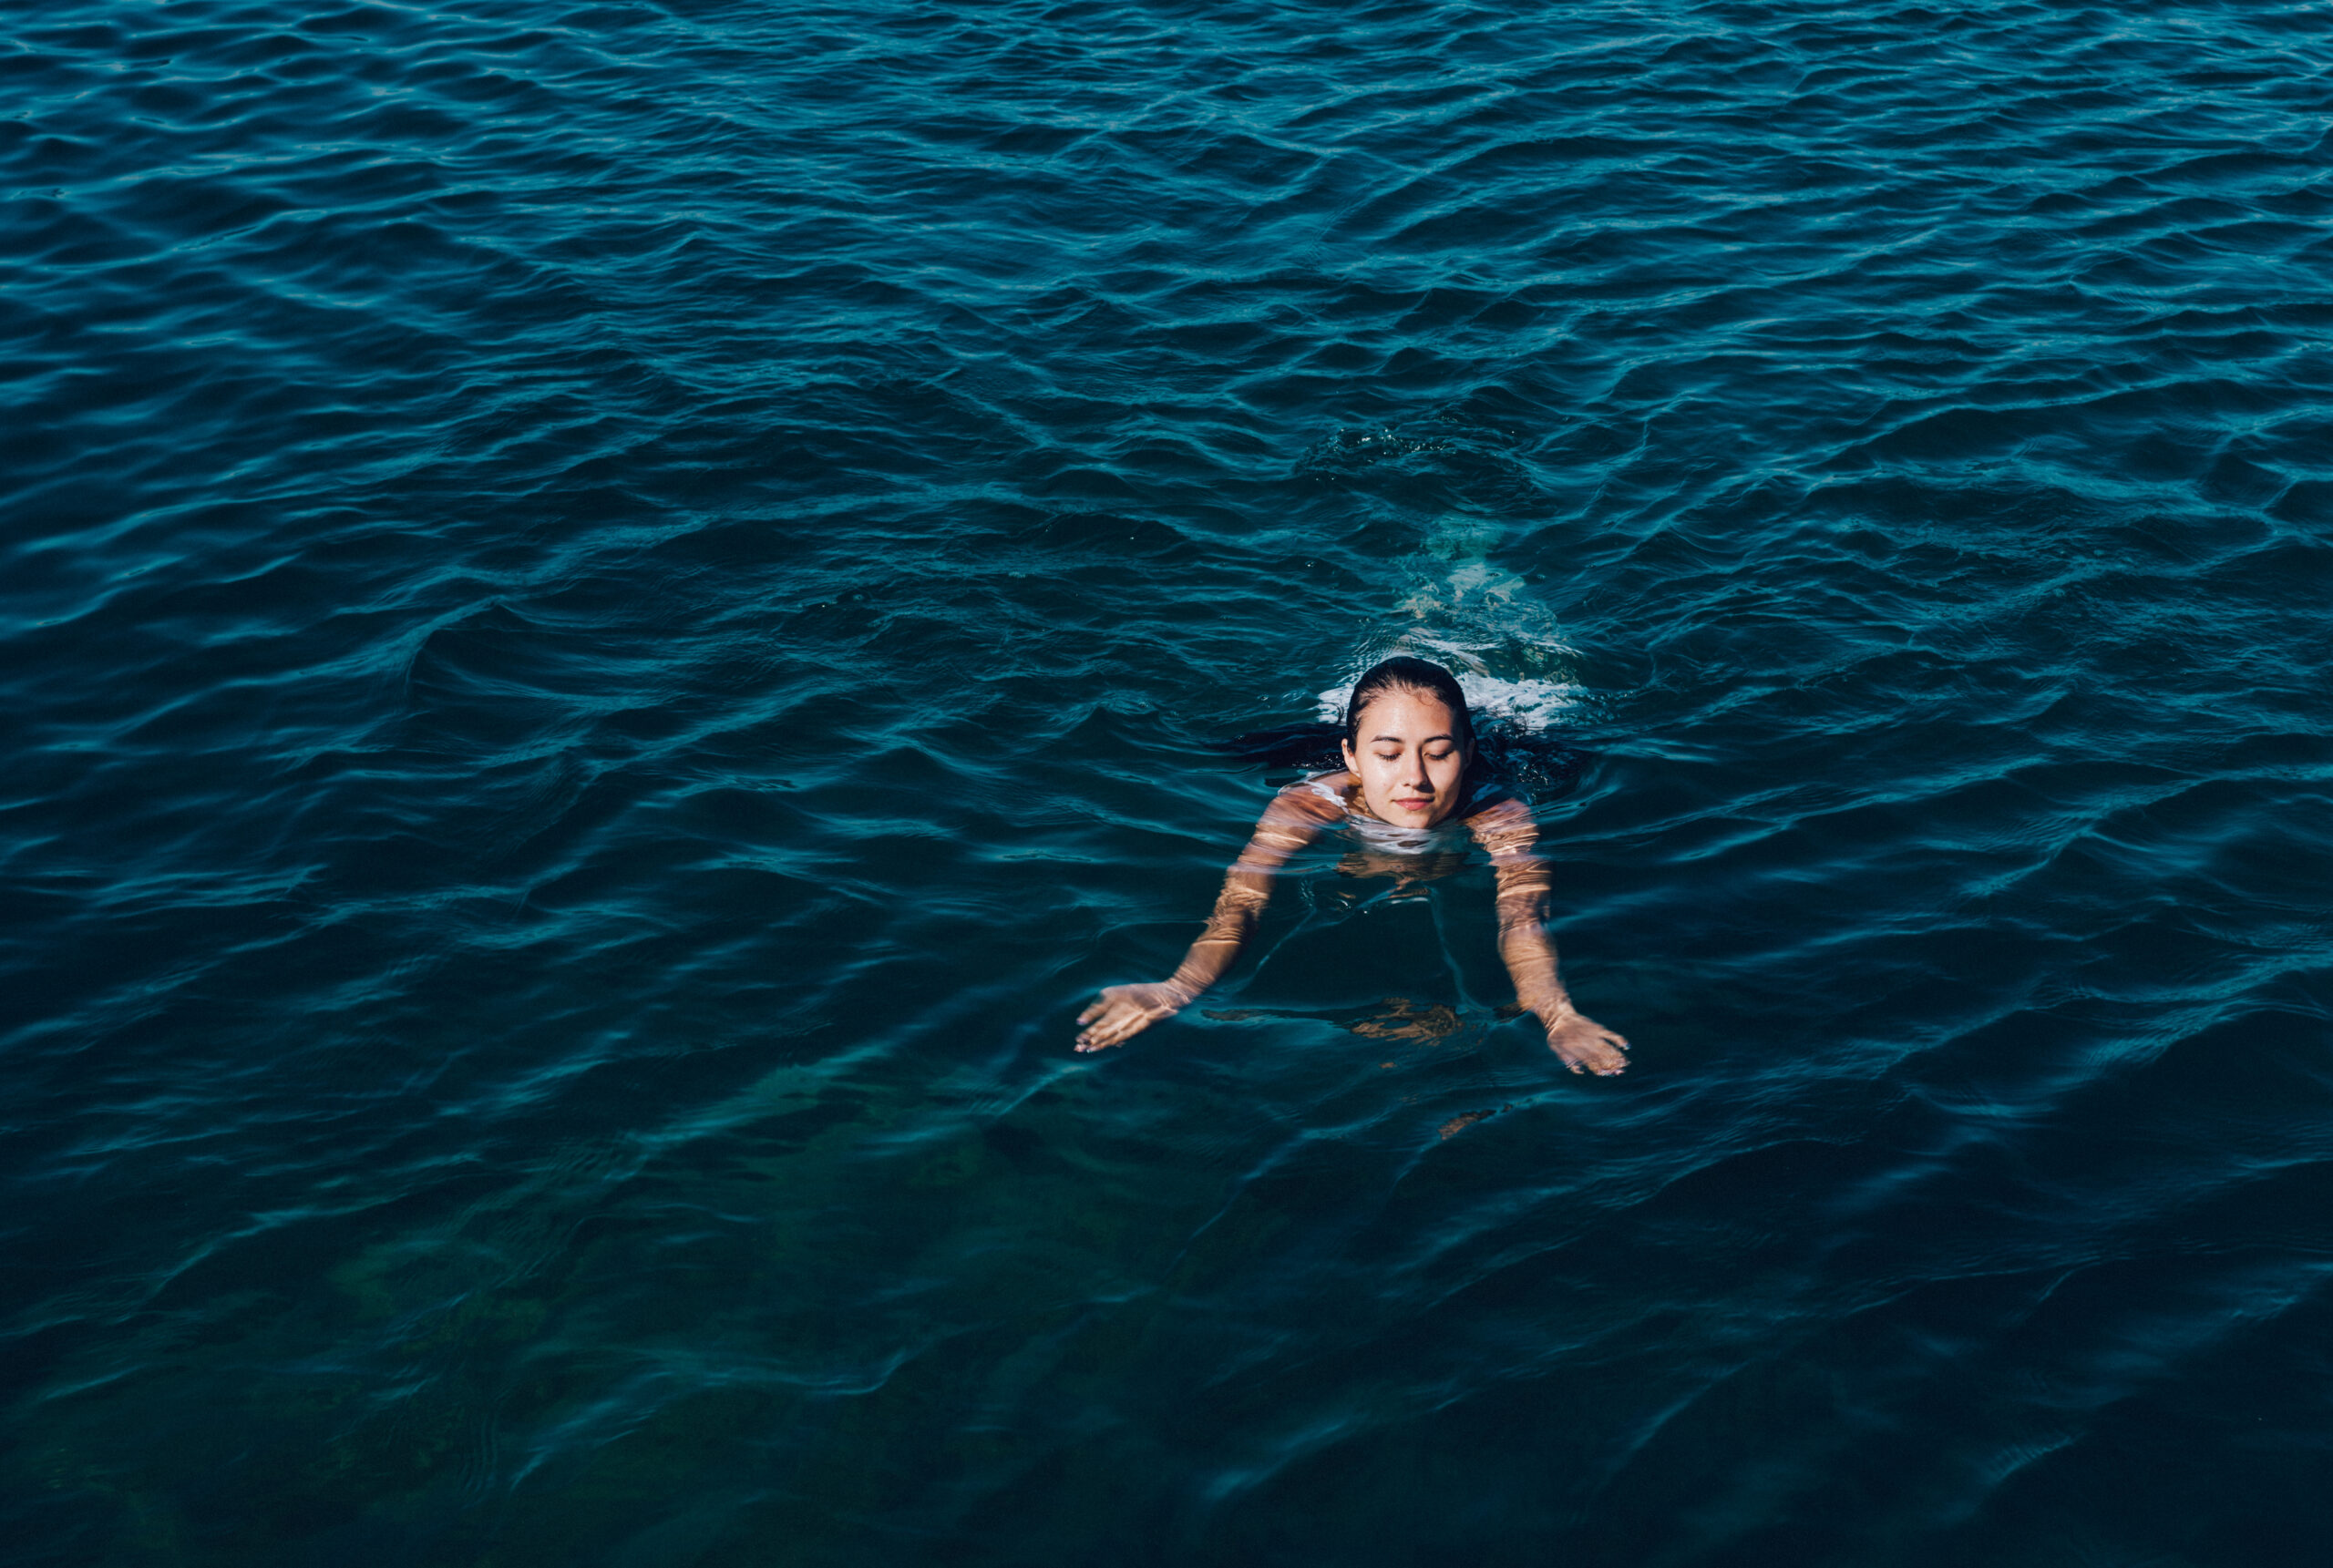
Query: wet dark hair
1540	765
1403	674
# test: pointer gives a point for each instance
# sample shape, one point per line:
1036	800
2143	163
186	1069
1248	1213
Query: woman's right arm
1293	820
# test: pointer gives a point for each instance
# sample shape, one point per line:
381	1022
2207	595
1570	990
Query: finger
1093	1011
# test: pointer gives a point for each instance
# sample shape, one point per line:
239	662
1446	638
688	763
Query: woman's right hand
1121	1012
1586	1046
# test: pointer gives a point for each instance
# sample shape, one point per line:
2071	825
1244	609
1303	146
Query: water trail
1486	624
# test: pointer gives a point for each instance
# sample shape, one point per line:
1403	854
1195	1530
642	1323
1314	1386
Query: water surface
611	614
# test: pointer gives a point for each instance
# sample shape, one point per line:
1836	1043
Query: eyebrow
1397	739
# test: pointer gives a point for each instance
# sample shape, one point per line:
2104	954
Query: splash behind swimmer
1408	744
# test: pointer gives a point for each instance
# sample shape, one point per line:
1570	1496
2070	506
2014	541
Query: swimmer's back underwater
1408	745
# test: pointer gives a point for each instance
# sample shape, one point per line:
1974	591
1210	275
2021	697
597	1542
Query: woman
1408	744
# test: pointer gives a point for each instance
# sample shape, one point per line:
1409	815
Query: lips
1427	805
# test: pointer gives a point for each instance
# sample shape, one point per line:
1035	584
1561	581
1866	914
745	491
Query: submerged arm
1294	819
1525	881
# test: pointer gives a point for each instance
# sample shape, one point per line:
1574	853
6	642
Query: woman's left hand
1121	1012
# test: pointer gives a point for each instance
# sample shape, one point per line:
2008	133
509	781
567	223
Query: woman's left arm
1506	831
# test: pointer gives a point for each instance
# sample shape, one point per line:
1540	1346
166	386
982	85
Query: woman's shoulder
1293	819
1319	797
1495	803
1502	821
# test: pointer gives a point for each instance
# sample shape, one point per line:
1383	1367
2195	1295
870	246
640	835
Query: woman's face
1408	757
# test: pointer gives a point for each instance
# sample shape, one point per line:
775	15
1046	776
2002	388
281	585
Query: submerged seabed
614	612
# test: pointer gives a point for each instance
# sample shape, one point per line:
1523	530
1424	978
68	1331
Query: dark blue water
611	615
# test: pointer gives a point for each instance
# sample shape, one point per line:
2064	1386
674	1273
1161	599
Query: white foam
1482	623
1532	703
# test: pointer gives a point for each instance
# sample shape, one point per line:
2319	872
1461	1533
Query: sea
614	612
